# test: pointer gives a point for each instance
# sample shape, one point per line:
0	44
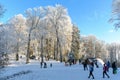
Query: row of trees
49	32
90	46
43	31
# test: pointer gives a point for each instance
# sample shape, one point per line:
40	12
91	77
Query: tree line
49	32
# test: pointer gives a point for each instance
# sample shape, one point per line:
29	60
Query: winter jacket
91	68
105	68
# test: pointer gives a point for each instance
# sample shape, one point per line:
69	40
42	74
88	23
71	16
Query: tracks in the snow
15	75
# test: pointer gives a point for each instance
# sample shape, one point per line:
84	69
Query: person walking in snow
41	64
108	65
91	69
85	64
114	67
105	68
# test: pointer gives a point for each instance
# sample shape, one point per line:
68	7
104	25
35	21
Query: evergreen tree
75	45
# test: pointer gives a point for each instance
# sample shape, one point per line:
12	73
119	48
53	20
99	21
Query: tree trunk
57	50
57	44
28	48
54	50
42	49
17	53
47	49
61	57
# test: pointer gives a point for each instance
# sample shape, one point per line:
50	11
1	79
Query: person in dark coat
79	61
41	64
50	64
91	69
114	67
85	64
105	71
45	65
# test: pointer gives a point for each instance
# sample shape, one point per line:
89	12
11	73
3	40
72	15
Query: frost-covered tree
2	42
114	52
101	50
42	32
6	42
48	30
33	17
115	13
75	44
2	33
115	19
92	47
9	39
60	20
19	24
2	11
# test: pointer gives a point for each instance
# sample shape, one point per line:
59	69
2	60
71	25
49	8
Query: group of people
70	62
106	67
44	64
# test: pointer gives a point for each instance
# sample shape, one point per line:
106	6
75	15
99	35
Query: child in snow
105	71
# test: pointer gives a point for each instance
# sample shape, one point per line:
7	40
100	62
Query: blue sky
91	16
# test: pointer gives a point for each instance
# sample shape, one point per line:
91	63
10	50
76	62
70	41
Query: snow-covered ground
32	71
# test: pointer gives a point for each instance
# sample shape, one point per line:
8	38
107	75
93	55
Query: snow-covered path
58	72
